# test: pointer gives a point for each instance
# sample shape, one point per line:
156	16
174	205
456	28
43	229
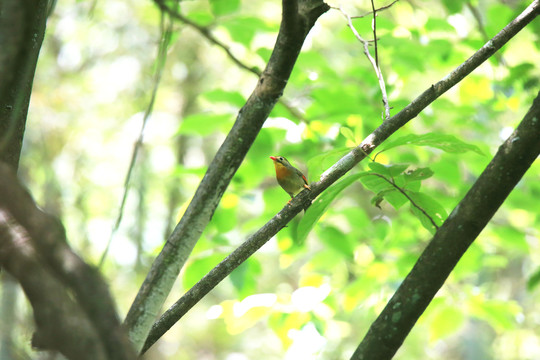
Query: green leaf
389	170
431	207
205	123
501	315
418	174
347	133
321	204
318	164
198	268
243	29
453	6
222	7
337	240
534	280
244	277
383	189
229	97
446	321
448	143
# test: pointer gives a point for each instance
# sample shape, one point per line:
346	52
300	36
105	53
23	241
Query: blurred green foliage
328	274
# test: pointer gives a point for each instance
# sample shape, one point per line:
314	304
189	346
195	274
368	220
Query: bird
288	177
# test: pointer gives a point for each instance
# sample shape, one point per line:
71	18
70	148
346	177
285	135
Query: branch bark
450	242
22	28
297	19
345	164
73	309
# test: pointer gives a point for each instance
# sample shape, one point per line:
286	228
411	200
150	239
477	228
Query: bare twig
386	7
404	193
373	62
205	32
478	17
340	168
165	39
375	40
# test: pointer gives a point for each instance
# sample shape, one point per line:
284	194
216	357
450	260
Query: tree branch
345	164
71	302
454	237
22	28
152	294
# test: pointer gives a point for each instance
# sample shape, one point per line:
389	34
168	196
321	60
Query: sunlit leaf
534	280
222	7
445	142
446	321
205	123
321	204
427	210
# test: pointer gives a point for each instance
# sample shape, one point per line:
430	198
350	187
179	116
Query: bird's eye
281	158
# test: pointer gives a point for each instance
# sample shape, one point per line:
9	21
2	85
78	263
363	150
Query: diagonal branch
453	238
204	31
297	20
345	164
71	302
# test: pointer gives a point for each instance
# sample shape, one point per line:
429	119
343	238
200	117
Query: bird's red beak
273	158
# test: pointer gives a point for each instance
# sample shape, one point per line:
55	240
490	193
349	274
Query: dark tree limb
22	28
454	237
71	302
345	164
297	19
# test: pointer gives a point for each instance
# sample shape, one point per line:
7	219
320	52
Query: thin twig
205	32
478	17
376	67
375	37
391	182
166	34
378	10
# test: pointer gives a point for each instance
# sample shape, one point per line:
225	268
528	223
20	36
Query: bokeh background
295	299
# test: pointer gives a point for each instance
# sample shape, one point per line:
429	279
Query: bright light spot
308	297
460	23
123	250
121	75
163	158
363	255
214	312
69	57
236	356
307	343
505	132
179	71
313	76
294	131
520	218
333	132
401	32
229	201
266	300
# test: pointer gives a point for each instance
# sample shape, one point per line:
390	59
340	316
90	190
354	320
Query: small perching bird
289	178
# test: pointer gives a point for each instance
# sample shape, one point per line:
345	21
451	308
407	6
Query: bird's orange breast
281	170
